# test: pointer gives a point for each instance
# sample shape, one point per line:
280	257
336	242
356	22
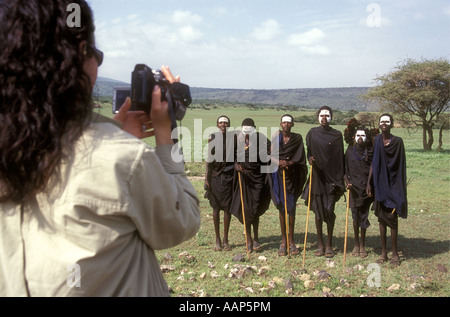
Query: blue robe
295	175
389	174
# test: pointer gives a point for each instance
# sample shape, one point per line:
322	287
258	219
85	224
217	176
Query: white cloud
267	30
185	22
309	42
186	17
308	38
222	45
189	34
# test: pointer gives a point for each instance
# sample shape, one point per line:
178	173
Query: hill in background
336	98
104	87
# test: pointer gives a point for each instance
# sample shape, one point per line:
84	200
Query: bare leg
395	257
291	229
362	250
226	223
329	247
292	248
248	229
355	251
383	257
216	219
283	231
321	248
256	234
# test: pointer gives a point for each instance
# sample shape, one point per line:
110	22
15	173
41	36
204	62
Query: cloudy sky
267	44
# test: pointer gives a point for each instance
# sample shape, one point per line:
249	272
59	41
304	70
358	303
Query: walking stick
243	214
346	226
307	215
285	211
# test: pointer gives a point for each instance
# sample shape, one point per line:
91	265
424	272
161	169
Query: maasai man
389	179
252	152
325	152
291	160
219	178
358	158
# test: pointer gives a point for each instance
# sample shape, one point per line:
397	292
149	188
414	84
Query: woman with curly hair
83	203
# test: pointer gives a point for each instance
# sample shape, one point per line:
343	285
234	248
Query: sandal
355	251
293	250
319	252
227	247
329	254
382	260
256	245
395	261
363	254
282	251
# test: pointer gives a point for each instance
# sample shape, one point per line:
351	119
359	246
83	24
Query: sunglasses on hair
97	54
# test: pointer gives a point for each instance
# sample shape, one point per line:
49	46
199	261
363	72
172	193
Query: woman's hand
157	123
136	123
159	112
168	74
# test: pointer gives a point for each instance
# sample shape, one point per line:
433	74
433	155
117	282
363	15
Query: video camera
143	80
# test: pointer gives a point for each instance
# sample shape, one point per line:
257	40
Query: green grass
424	238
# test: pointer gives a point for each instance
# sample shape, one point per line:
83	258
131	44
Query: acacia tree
418	91
444	121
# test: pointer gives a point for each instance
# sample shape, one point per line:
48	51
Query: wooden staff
243	214
285	211
307	215
346	225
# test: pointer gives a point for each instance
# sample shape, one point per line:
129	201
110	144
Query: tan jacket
94	234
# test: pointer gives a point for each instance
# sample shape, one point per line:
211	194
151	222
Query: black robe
389	174
357	168
254	183
327	147
295	175
220	170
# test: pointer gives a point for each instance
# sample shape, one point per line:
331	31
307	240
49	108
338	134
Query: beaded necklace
359	158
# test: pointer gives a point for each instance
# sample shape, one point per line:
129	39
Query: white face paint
248	129
385	120
223	119
360	134
325	113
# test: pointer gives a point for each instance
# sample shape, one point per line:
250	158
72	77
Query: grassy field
194	269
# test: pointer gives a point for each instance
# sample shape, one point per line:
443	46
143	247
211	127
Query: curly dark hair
45	95
354	125
350	130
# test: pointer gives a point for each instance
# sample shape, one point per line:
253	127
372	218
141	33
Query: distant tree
370	120
418	91
444	121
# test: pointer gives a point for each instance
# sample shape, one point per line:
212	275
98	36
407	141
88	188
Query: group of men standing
372	169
